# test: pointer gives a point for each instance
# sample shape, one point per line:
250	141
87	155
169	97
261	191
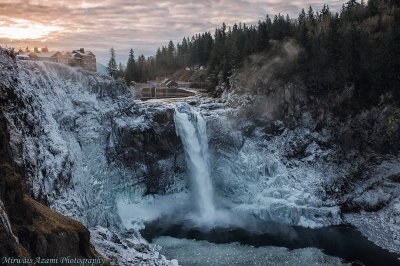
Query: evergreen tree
183	53
120	71
359	45
112	65
262	36
171	56
130	72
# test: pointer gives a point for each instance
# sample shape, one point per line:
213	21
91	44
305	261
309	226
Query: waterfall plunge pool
195	246
205	234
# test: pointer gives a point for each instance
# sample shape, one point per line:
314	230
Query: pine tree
262	36
325	13
120	71
311	16
359	44
112	65
130	73
142	73
184	56
171	55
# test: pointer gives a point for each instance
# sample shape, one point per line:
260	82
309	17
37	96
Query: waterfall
191	128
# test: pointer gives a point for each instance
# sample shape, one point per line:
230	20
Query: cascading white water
191	128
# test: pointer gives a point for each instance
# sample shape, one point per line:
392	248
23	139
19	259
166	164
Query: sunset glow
24	29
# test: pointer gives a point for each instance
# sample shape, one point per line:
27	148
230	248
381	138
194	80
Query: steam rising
262	70
268	77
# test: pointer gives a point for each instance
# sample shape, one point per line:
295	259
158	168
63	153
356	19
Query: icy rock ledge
127	249
378	199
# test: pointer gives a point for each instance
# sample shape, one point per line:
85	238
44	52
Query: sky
142	25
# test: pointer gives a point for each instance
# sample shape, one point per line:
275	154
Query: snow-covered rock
84	142
275	178
129	249
376	199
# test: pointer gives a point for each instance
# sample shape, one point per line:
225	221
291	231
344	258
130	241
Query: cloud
142	25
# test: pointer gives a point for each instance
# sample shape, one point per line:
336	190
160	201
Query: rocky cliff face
29	229
315	161
81	143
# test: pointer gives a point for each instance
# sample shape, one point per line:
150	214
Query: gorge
274	178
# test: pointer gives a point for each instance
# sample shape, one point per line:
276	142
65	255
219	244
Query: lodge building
79	58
